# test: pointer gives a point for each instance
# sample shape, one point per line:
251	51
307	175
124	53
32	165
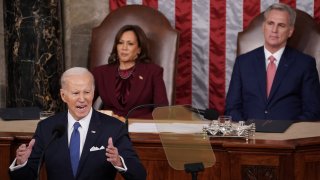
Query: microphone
206	113
139	107
57	132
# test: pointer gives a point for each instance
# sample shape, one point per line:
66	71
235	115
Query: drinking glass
225	124
45	114
224	119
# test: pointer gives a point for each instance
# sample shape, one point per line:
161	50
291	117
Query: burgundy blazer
147	88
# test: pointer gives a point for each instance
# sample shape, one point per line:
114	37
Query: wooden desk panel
152	155
290	158
261	159
5	153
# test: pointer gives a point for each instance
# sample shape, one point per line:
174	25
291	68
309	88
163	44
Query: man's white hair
75	71
282	7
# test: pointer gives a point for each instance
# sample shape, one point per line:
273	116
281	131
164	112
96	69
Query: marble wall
34	53
77	20
3	77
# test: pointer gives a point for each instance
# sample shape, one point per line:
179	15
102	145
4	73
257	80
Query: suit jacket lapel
64	142
260	66
111	83
137	84
281	72
92	134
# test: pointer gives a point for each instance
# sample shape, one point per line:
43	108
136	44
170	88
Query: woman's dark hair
142	43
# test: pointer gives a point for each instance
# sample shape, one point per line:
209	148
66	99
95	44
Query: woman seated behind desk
130	79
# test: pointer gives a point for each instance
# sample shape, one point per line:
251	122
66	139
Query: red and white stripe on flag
208	34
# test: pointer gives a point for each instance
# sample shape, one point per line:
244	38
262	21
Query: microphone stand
138	107
194	168
57	133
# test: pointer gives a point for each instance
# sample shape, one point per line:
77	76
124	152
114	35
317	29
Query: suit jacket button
266	112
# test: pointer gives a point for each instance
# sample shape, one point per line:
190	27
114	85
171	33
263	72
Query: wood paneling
297	159
5	152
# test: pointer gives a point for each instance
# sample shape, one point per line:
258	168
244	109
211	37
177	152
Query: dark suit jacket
93	165
147	88
295	93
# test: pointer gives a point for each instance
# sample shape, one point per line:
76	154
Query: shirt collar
277	55
84	122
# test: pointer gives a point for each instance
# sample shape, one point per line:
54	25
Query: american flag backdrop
208	34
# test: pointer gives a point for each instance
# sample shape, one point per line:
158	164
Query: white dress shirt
277	55
83	130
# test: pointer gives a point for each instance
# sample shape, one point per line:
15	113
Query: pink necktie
271	71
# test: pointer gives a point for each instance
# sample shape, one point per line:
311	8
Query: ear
291	31
262	26
62	94
139	51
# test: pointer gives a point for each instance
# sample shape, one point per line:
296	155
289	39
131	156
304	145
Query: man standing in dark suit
96	148
275	81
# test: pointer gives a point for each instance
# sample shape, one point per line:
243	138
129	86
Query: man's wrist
123	166
14	166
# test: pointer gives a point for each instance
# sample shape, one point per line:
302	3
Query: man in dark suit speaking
95	146
275	81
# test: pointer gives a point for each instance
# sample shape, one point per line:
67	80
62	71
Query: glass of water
45	114
225	124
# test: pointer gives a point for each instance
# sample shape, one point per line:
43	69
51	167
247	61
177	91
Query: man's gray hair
75	71
282	7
